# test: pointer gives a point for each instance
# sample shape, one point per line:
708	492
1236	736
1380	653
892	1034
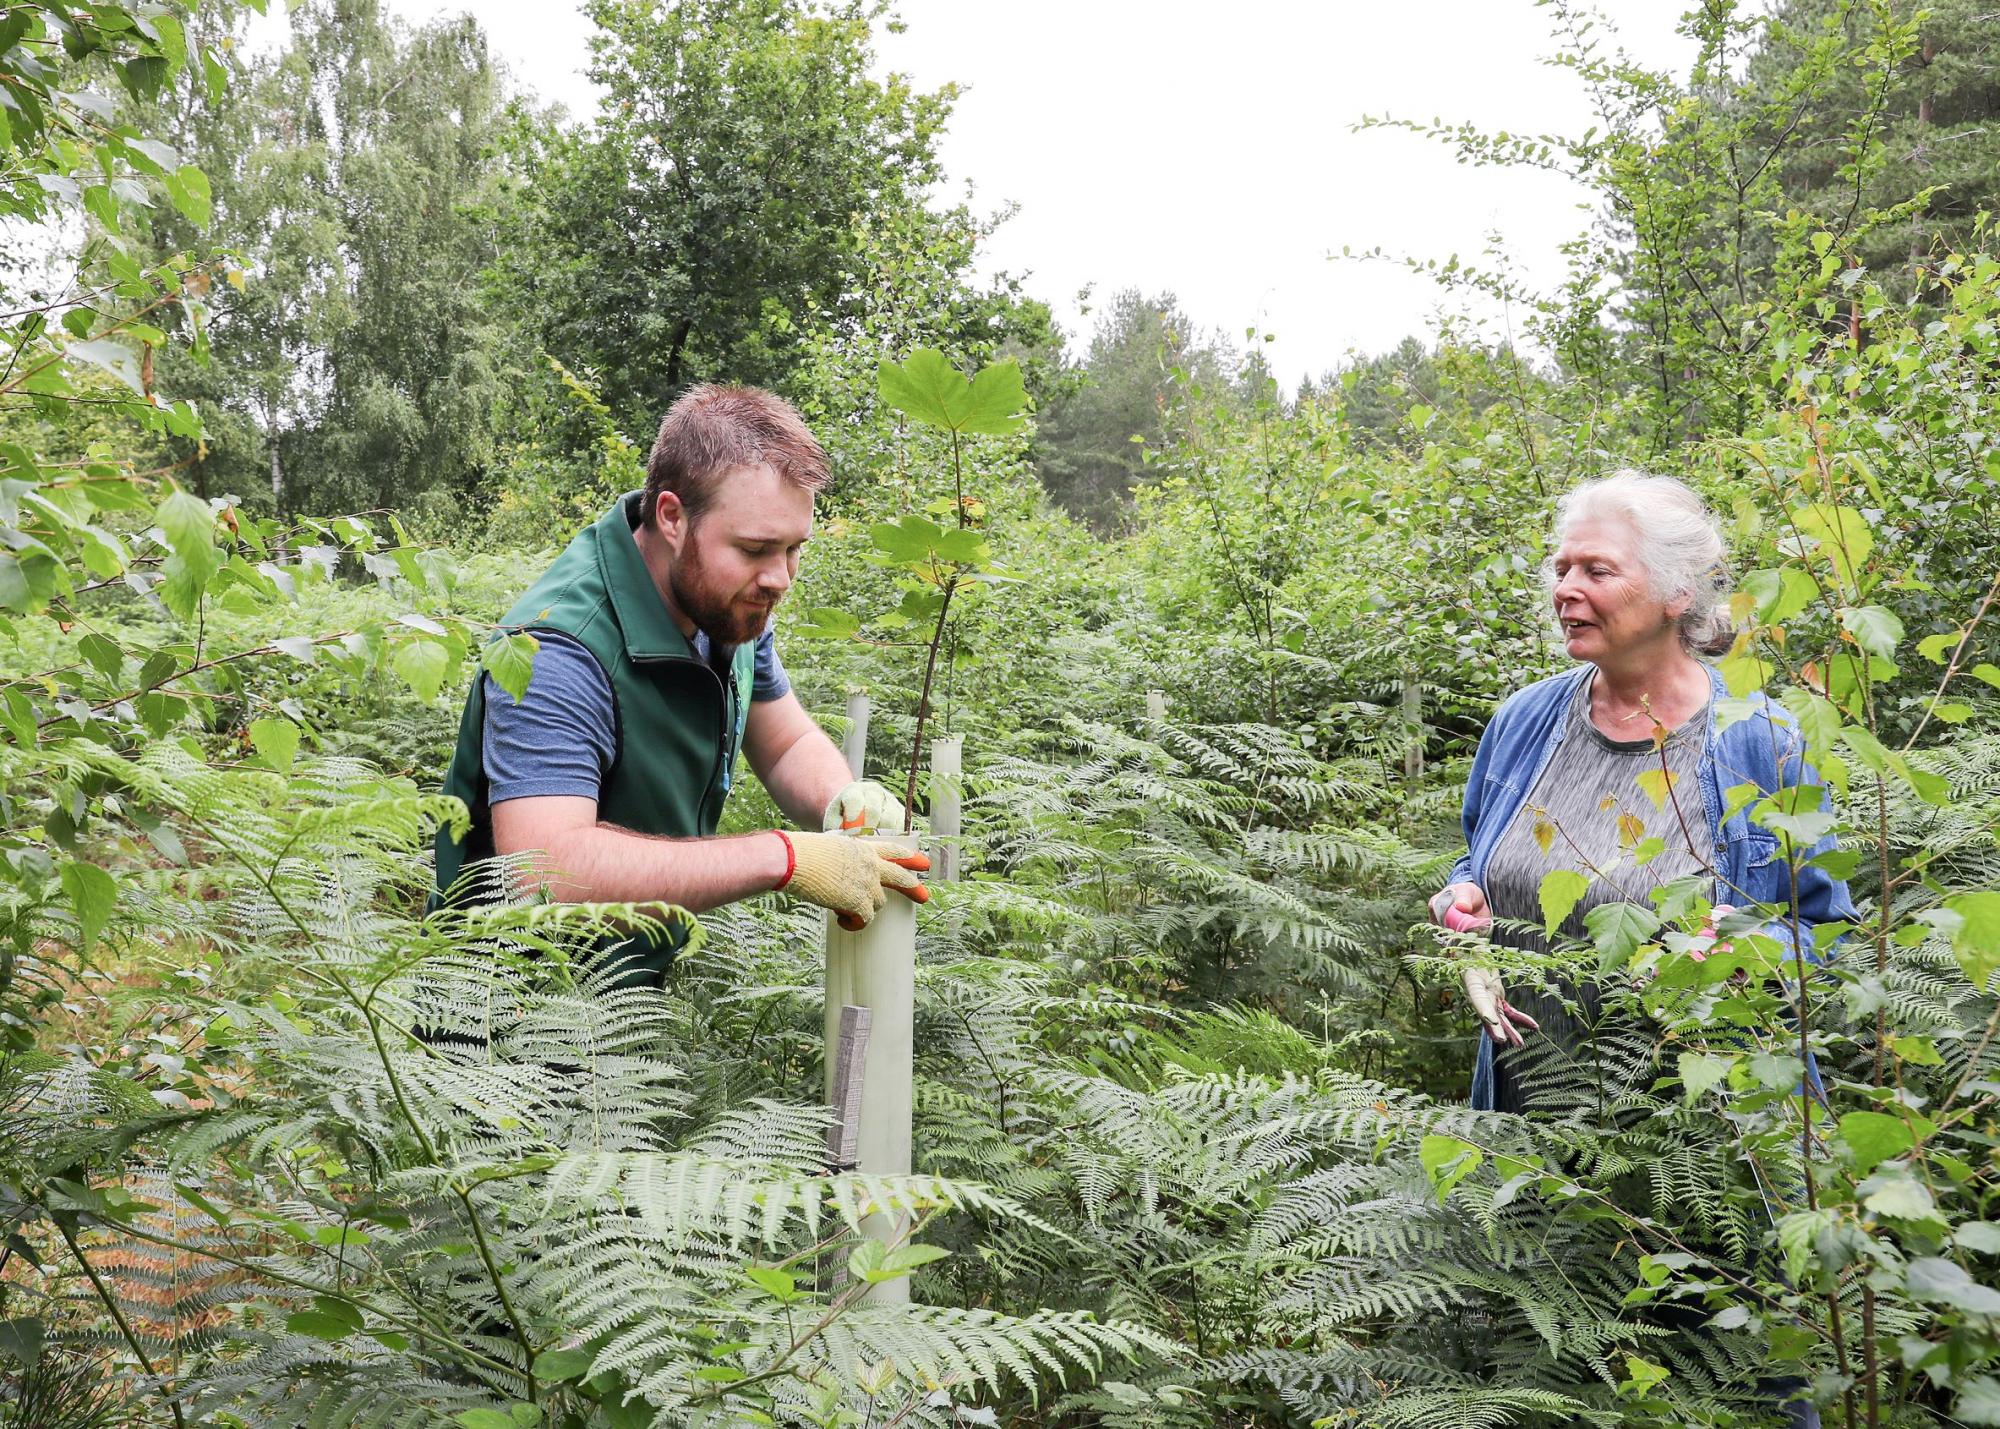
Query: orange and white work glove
851	876
864	804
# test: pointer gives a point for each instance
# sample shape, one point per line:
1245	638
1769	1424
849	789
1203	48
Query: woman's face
1603	596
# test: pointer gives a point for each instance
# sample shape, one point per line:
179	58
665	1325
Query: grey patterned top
1594	813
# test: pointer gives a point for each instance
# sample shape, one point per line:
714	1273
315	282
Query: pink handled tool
1460	921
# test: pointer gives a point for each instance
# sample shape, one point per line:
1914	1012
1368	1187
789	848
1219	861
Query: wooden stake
844	1088
1413	713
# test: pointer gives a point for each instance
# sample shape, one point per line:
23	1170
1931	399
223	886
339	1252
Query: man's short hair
712	430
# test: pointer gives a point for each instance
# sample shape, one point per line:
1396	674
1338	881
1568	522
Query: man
655	667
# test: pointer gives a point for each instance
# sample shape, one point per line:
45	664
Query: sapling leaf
1796	814
1947	1282
1447	1161
484	1419
1701	1072
910	540
1815	715
336	1308
276	742
906	1258
422	663
927	388
1898	1196
1619	929
93	895
186	521
919	387
1656	784
1642	1376
966	547
1780	594
1743	672
778	1284
187	189
865	1259
1840	535
1875	629
319	1325
1872	1137
510	660
1914	1051
1561	890
1797	1234
21	1340
114	357
825	622
552	1366
1975	941
1775	1070
992	404
1980	1237
1937	648
107	657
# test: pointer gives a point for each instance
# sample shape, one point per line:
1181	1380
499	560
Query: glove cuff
791	859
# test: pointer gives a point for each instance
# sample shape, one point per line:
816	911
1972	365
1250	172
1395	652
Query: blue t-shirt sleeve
563	735
770	682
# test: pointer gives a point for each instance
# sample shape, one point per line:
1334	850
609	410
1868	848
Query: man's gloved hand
864	804
851	876
1488	996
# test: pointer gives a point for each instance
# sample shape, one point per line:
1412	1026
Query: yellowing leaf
1656	784
1631	828
1545	834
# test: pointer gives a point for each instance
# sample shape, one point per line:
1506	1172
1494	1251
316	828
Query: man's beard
716	616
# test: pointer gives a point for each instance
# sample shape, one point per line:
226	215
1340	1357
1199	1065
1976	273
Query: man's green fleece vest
679	724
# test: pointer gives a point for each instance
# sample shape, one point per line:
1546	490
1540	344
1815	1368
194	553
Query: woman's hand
1467	900
1706	941
1462	908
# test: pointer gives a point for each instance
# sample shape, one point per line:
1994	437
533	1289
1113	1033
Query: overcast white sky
1204	148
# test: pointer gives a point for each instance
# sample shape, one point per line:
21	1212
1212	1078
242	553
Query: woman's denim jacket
1764	749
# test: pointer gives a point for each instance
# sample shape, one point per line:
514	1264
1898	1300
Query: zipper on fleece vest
725	707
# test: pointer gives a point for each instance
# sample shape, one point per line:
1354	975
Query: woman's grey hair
1679	542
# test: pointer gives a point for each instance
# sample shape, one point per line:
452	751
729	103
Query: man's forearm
805	778
603	863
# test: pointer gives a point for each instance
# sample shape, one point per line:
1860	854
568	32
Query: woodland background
313	354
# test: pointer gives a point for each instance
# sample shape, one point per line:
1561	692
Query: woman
1583	769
